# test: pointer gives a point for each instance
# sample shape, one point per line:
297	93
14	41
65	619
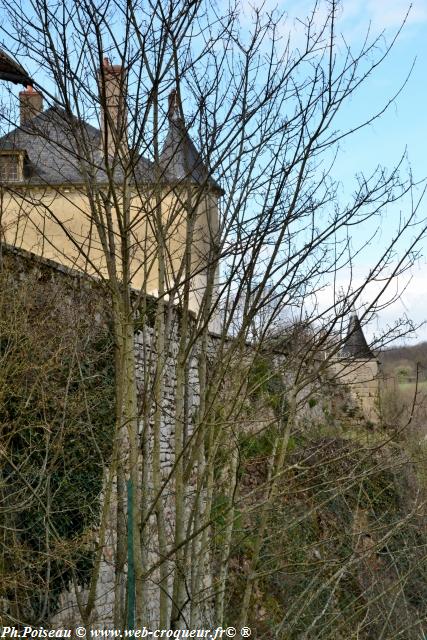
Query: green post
131	566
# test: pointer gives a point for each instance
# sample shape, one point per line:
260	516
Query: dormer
14	165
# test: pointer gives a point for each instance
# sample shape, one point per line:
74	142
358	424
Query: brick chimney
30	104
112	91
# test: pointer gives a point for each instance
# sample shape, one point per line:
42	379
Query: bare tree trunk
275	472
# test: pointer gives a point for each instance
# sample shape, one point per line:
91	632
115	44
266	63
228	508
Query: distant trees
233	241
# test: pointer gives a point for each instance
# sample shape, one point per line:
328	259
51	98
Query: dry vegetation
309	536
404	392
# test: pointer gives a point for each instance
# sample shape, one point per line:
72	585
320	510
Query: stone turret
355	345
191	190
358	369
179	157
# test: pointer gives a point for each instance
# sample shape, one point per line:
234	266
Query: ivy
56	427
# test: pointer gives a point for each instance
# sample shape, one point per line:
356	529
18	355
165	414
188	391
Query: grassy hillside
403	363
345	556
404	389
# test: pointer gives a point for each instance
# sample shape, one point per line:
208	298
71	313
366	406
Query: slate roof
355	345
49	141
181	160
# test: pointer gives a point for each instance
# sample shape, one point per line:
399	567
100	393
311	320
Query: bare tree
199	247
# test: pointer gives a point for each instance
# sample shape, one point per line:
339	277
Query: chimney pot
30	104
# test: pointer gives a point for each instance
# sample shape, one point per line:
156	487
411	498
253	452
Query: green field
405	386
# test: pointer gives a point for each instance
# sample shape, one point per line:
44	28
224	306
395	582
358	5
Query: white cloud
405	297
354	16
385	13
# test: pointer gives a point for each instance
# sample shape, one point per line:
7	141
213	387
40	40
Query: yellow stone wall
362	379
57	223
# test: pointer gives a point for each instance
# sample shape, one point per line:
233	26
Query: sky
402	128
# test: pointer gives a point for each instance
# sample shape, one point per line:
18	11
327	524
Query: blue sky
405	123
403	126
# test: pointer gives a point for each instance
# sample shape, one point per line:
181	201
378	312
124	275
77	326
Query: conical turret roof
179	157
355	345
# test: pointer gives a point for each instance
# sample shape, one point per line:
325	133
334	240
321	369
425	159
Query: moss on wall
56	428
